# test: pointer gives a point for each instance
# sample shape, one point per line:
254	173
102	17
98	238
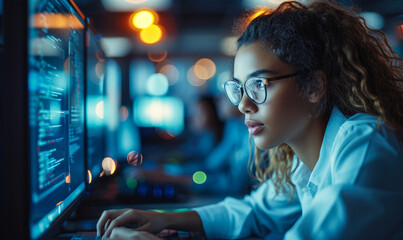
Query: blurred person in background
205	130
225	165
322	92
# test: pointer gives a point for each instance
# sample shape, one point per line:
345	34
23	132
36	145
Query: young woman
323	92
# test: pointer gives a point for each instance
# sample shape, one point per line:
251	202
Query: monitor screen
56	111
95	105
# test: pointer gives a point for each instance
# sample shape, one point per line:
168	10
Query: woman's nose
246	105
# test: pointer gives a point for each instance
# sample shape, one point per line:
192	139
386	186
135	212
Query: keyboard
85	229
180	235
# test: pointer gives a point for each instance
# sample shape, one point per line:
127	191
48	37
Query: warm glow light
193	79
109	165
134	158
256	14
68	178
399	31
151	35
171	72
165	134
89	177
56	21
124	113
57	204
204	68
157	56
99	109
143	19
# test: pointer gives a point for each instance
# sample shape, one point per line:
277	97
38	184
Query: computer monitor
95	99
56	114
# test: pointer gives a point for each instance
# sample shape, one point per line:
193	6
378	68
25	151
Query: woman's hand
126	233
146	221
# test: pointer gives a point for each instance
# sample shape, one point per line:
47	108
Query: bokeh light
157	84
99	109
143	19
134	158
204	68
165	134
199	177
193	79
89	176
109	166
373	20
157	56
135	1
171	72
151	35
399	31
131	183
124	113
68	178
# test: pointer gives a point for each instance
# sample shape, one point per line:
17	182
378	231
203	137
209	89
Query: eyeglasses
255	88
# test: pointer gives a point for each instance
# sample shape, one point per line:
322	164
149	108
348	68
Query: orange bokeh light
134	158
109	165
151	35
56	21
399	31
193	79
143	19
89	177
157	56
124	113
204	68
171	72
68	178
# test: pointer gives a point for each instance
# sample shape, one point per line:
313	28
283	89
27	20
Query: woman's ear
319	86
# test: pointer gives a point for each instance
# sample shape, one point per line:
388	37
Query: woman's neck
309	141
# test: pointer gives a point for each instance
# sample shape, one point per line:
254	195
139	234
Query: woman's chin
264	143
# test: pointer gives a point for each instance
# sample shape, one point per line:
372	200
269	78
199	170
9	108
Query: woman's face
283	115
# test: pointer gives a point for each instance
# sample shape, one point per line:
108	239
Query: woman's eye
259	84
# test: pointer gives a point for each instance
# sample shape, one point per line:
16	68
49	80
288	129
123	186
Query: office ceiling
195	26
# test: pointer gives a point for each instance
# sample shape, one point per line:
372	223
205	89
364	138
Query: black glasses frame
265	80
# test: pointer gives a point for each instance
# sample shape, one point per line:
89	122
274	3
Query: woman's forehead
254	57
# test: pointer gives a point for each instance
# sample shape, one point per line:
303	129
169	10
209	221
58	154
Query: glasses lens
256	90
233	91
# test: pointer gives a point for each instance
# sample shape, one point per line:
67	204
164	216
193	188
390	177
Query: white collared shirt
355	191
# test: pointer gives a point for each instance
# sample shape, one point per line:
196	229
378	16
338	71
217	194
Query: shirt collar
335	121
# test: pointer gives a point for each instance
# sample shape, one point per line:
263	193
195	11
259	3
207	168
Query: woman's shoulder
368	133
363	124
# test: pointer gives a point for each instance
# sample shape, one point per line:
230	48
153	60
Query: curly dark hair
364	74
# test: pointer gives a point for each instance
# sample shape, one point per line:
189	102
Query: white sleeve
365	199
256	214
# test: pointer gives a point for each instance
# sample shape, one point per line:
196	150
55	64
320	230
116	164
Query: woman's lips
254	127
